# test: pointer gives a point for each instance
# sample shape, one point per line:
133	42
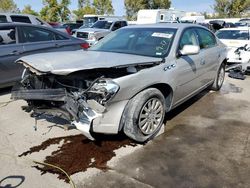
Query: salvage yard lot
206	143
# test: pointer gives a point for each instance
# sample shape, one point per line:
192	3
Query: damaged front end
79	97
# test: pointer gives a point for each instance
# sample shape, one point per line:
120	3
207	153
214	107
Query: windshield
153	42
102	24
233	34
89	21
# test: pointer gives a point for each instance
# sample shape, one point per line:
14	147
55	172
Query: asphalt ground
205	144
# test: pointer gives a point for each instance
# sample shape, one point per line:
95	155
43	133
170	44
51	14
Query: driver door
188	67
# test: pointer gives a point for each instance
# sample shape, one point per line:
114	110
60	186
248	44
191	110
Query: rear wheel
144	115
218	82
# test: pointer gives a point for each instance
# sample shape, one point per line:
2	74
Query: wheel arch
164	88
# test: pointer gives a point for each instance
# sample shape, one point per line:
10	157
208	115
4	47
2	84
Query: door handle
57	45
15	52
203	62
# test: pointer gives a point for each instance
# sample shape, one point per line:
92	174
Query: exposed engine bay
78	97
69	93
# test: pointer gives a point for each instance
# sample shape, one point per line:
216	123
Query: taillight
85	45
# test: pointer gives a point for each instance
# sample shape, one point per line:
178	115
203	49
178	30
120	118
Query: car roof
167	25
24	24
16	24
9	24
16	14
235	28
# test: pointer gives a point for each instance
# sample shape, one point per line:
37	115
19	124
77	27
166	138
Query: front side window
7	35
233	34
153	42
33	34
206	38
189	37
3	19
22	19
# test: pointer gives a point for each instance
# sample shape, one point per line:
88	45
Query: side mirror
190	50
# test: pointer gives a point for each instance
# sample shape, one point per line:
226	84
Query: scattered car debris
237	73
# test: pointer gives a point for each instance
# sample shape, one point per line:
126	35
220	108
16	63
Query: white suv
23	18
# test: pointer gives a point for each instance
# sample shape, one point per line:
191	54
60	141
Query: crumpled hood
63	63
92	30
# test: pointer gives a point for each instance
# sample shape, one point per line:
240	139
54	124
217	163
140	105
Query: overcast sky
186	5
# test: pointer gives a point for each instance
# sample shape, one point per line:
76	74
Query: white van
22	18
151	16
193	19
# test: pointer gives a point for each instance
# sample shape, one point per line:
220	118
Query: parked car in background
72	26
241	24
17	40
22	18
234	38
73	32
229	25
217	24
59	27
245	20
99	30
127	81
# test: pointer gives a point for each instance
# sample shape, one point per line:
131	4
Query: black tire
218	82
134	113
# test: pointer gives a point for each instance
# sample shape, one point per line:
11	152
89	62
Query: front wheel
218	82
144	115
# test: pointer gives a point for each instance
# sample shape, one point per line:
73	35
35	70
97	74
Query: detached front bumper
86	115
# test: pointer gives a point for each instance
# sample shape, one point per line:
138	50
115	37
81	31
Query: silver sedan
127	81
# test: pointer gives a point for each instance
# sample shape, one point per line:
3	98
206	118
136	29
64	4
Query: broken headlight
103	90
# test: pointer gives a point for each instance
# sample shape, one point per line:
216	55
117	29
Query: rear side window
206	38
33	34
3	19
7	35
22	19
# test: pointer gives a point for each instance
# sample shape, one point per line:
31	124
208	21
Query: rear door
210	55
10	51
37	40
41	40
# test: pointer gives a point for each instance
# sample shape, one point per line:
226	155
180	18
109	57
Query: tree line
58	10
